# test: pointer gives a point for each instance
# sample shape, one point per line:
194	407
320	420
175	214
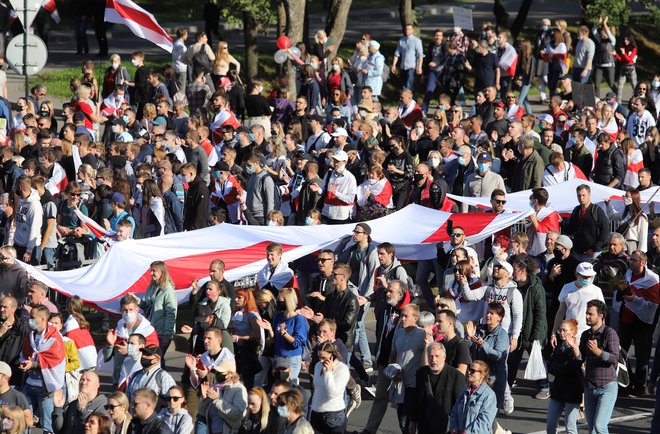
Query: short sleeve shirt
458	352
13	397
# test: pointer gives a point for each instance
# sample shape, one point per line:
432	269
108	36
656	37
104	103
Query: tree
502	17
618	11
295	18
253	14
335	23
406	14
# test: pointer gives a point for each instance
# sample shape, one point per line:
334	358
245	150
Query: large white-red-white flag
141	22
51	8
508	61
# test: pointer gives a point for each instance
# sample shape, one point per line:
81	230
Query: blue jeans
430	88
407	78
598	405
576	75
361	337
522	99
295	363
555	409
42	405
200	427
48	255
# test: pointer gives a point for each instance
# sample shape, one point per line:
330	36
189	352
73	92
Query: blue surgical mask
572	141
249	169
462	161
217	174
442	107
283	410
584	281
358	133
483	167
655	84
531	204
251	136
126	119
309	221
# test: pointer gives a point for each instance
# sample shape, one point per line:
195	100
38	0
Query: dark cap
78	117
203	311
221	166
350	147
143	134
365	227
484	156
152	350
119	121
118	197
499	104
304	156
316	118
242	129
610	95
281	363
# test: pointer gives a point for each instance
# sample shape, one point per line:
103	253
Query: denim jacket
474	413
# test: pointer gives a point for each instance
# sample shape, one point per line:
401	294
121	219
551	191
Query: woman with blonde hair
13	420
227	404
290	330
256	419
476	407
223	61
247	335
634	162
18	141
47	110
85	105
117	408
607	122
275	218
148	116
24	108
160	305
276	157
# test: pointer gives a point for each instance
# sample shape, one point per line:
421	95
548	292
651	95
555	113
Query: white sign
463	18
37	54
33	7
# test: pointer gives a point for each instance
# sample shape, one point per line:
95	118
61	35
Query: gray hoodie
29	218
509	297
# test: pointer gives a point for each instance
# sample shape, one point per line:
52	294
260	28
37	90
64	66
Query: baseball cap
203	311
221	166
350	147
119	121
5	369
243	129
160	121
78	117
546	118
304	156
118	197
340	156
484	156
463	150
585	269
339	132
499	104
143	134
152	350
610	95
504	264
564	241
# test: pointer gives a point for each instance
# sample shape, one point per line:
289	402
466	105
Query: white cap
5	369
339	132
505	265
374	44
585	269
340	156
546	118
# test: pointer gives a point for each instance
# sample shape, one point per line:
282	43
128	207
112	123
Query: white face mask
115	65
135	62
335	67
434	162
129	317
419	130
372	181
340	169
309	221
115	129
363	113
627	200
133	350
496	250
272	223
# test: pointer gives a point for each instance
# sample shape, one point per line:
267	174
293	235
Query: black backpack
201	61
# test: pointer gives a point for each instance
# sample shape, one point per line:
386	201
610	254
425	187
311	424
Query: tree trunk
501	15
406	14
295	13
336	20
281	17
519	22
251	47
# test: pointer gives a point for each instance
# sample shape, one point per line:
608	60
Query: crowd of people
189	146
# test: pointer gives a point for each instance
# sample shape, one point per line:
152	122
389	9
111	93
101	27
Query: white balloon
294	51
280	56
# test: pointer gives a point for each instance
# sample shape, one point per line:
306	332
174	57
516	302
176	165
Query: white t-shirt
576	300
638	125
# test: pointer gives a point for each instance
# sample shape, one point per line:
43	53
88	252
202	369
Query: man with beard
13	330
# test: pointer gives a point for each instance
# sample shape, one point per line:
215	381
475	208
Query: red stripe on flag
186	268
139	17
471	223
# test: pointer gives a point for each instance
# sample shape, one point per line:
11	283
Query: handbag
535	369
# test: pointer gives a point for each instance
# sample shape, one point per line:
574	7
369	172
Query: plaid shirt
197	95
600	370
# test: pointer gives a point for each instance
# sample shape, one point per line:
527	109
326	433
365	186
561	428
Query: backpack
201	61
385	75
409	280
622	373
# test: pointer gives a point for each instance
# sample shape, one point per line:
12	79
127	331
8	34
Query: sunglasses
174	398
111	407
323	259
74	194
499	202
456	234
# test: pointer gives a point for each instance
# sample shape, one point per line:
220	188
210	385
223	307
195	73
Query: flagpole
25	47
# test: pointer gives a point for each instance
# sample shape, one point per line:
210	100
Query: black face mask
220	377
558	255
146	362
283	375
418	177
204	325
280	305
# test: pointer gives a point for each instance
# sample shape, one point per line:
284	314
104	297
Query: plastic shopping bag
535	368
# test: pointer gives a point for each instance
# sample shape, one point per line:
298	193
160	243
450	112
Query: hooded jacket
390	319
535	326
29	217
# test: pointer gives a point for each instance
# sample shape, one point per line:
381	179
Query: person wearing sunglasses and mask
175	415
151	375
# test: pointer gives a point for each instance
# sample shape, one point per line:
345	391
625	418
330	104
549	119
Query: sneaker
371	390
508	405
543	394
355	400
368	368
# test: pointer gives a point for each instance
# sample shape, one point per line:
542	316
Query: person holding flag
507	61
555	54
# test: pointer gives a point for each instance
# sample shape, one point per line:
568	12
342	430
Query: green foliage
263	11
617	11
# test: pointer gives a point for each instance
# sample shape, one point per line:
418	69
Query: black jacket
10	348
72	420
196	206
553	287
433	404
14	281
610	165
359	169
567	370
153	425
343	307
590	232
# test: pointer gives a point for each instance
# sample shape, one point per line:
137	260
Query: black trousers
641	335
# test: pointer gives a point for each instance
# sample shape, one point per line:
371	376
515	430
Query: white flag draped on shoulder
141	22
